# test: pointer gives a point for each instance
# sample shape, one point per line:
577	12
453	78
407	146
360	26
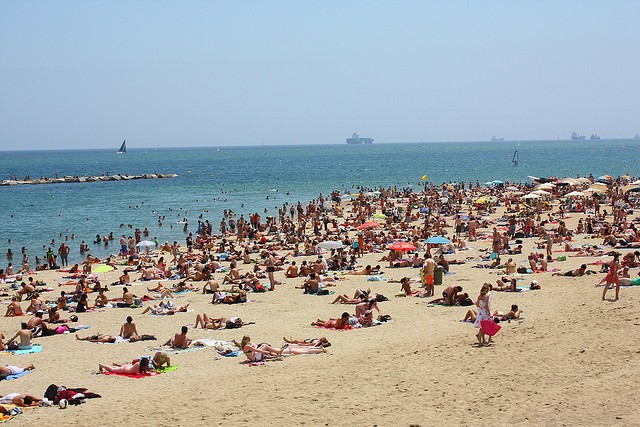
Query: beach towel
16	376
145	375
167	369
317	294
177	350
36	348
334	329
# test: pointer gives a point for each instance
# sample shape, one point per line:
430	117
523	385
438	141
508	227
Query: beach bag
489	327
466	302
561	258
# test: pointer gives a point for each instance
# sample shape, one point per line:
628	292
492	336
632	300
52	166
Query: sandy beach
570	361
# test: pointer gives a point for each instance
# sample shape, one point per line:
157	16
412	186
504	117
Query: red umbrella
368	224
402	246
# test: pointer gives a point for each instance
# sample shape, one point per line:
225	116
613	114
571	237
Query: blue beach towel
36	348
16	376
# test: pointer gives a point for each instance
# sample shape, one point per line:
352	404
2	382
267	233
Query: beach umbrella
345	196
632	189
368	224
575	194
424	210
402	246
541	193
531	196
380	216
145	244
437	240
583	180
512	188
102	268
331	244
481	200
148	245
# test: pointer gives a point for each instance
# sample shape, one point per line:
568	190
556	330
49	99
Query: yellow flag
424	177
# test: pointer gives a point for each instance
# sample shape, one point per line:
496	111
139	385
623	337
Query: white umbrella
331	244
148	245
531	196
575	194
512	188
546	185
541	193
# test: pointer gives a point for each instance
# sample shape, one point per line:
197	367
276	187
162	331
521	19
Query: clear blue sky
86	74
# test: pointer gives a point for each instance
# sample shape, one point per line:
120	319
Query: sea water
252	179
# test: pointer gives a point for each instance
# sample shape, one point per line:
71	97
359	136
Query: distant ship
494	139
577	137
595	136
637	136
356	139
123	147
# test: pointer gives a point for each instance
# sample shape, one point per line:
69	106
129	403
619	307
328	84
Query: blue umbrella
437	240
423	210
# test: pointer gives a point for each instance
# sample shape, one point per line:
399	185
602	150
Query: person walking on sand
612	276
484	310
271	268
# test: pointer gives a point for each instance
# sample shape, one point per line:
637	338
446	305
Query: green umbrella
102	269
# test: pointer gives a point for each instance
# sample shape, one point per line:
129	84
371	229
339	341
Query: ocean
252	179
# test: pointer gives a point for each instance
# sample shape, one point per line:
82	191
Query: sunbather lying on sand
341	323
309	342
138	367
165	309
101	338
257	353
5	371
206	322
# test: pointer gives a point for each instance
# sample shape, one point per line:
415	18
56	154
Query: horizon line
320	144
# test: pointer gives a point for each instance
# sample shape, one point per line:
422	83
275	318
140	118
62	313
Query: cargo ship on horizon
357	140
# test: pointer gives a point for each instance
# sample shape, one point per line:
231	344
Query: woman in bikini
257	353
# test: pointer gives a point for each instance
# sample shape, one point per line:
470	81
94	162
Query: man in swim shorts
429	269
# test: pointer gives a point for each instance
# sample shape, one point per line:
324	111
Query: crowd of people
321	245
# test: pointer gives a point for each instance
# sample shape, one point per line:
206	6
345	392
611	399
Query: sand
572	361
